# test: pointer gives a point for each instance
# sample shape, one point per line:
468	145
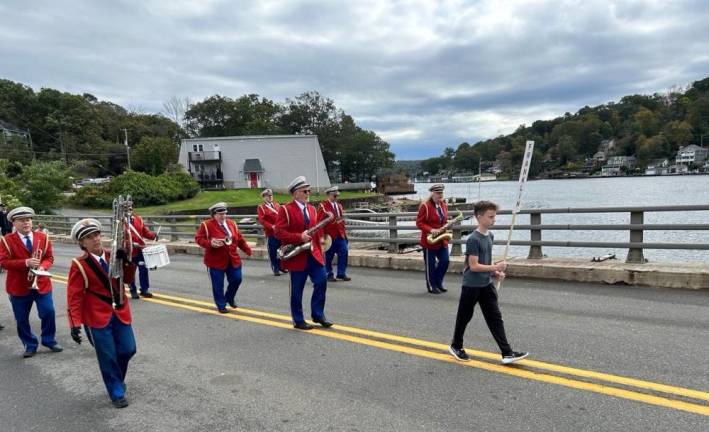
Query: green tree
153	155
41	185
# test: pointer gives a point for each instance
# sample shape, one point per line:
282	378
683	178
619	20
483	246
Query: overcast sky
422	74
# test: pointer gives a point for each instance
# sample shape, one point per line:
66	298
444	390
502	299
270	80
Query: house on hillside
658	167
691	155
615	164
254	161
8	131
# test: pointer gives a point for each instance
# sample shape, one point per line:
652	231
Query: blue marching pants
273	245
233	277
139	261
436	262
115	345
318	277
21	307
340	246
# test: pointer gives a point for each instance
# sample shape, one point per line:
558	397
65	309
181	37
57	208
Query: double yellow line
679	398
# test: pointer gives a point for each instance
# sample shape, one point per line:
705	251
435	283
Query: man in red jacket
94	302
139	232
338	234
294	219
21	251
219	236
267	217
432	215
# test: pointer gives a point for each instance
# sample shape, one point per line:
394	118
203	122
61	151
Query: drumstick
157	233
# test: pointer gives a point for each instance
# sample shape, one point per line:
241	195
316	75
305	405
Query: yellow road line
284	322
616	379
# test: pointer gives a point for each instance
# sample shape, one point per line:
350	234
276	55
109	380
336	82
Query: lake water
598	192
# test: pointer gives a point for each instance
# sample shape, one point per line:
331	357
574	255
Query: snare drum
156	256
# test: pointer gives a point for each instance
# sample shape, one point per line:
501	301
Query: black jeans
487	297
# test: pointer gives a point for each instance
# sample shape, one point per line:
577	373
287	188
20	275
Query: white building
658	167
615	163
254	161
691	154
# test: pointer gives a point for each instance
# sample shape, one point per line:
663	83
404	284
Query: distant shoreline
578	178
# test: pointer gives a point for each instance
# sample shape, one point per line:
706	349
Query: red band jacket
268	217
336	228
290	226
13	257
88	299
220	257
429	219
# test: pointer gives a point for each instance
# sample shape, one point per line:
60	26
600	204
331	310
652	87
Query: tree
175	108
153	155
41	185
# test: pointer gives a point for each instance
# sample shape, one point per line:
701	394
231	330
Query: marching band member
338	234
432	215
139	232
21	251
294	219
219	236
267	217
92	302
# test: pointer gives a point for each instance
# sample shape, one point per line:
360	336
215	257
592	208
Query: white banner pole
523	174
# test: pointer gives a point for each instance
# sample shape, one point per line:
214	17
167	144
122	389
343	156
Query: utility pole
125	131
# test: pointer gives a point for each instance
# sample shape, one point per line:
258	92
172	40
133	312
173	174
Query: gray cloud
423	74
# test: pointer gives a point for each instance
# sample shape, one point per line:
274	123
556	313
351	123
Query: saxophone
445	233
288	251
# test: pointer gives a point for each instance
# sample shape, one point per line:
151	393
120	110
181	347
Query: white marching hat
219	207
298	183
20	212
85	227
437	187
333	189
266	192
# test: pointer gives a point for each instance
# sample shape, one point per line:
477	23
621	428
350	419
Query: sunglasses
307	191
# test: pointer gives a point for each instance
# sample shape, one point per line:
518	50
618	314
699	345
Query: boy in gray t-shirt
478	287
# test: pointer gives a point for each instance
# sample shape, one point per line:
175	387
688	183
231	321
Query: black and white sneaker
459	354
513	357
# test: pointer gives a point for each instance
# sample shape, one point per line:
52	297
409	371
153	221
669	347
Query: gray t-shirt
479	245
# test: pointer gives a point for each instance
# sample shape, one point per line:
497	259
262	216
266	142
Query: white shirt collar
99	257
22	236
302	206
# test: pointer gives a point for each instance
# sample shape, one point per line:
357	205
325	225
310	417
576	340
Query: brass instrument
288	251
121	239
445	233
32	275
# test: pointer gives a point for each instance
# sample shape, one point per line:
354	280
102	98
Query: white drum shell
156	256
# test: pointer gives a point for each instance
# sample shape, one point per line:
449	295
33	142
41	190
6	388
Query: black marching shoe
2	326
232	304
303	326
134	296
344	278
146	295
28	353
435	291
459	354
276	273
56	348
121	402
323	322
284	271
331	279
223	310
441	289
513	357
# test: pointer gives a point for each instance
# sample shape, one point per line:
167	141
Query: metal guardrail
181	227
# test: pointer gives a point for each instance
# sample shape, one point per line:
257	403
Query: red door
253	179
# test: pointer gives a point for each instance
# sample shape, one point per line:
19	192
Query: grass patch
233	197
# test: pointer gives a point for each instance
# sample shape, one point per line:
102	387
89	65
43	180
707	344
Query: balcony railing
205	156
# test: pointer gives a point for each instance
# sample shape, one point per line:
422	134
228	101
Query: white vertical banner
523	174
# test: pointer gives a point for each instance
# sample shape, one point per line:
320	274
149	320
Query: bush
143	188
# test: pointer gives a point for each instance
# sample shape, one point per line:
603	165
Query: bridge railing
398	229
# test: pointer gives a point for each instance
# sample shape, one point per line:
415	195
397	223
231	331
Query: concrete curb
675	275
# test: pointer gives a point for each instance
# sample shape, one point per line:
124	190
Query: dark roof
11	127
252	165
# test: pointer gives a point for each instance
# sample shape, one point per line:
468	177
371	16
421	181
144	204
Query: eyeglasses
307	191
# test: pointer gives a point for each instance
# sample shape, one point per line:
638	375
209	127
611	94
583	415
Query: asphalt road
196	370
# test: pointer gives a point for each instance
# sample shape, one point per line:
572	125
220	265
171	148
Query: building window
201	147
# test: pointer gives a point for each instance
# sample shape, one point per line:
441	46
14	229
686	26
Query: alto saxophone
445	233
288	251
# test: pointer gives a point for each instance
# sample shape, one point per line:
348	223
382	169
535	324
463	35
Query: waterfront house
658	167
615	164
599	156
691	155
264	161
